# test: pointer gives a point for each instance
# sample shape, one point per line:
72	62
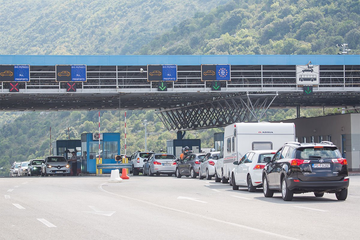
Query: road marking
198	215
25	183
17	186
240	197
46	222
98	212
18	206
10	190
7	196
191	199
312	209
215	190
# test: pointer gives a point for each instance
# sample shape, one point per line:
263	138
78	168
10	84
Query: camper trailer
240	138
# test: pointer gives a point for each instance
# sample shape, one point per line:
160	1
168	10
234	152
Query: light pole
145	123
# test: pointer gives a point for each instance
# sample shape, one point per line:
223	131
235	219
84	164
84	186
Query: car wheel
267	192
318	194
200	176
177	173
208	177
135	172
217	179
193	173
286	193
250	186
342	195
234	186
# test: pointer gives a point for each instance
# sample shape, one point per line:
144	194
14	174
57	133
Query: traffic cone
124	174
115	176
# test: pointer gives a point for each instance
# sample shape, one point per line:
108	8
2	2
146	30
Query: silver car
160	163
24	168
14	170
55	165
207	165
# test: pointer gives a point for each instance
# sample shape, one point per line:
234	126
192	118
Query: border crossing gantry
191	101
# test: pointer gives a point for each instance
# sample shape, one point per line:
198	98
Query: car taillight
174	163
342	161
138	160
157	163
258	166
297	162
211	163
197	162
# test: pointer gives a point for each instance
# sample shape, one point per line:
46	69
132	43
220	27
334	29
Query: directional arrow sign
215	86
99	212
308	90
162	86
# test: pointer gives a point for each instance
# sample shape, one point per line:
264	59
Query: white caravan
240	138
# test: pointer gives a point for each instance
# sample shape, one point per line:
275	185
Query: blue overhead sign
223	72
70	73
158	73
78	73
22	73
169	72
212	72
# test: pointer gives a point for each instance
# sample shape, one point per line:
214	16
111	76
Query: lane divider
46	223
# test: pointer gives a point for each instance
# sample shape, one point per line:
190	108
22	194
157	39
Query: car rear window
144	155
24	164
263	156
318	153
164	156
56	159
201	157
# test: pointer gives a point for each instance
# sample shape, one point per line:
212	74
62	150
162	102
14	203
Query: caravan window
233	144
228	145
262	146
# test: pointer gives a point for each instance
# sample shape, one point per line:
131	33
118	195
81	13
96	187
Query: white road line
10	190
46	222
191	199
18	206
215	190
312	209
7	196
200	216
240	197
17	186
25	183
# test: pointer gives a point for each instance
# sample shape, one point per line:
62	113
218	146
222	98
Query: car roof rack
294	143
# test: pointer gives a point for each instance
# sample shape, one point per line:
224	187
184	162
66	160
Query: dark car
34	167
190	165
304	167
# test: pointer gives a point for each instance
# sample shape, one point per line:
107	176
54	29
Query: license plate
166	164
321	165
59	171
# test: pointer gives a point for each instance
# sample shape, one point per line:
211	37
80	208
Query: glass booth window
110	150
94	149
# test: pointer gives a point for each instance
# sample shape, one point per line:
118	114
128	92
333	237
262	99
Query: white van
240	138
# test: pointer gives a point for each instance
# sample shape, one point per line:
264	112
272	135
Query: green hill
62	27
265	27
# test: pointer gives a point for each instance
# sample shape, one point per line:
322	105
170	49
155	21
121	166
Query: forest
209	27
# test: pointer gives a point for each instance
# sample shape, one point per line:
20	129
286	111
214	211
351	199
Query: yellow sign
98	161
7	73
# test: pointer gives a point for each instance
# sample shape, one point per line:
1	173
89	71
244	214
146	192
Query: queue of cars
293	169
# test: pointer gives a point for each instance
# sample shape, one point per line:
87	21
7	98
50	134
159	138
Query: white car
248	171
24	168
207	165
137	161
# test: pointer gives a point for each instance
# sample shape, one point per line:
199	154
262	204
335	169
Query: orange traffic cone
124	174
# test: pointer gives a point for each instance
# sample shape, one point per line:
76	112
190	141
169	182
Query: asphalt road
167	208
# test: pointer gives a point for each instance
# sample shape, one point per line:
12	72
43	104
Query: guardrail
113	166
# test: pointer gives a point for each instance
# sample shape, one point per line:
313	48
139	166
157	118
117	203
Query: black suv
304	167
